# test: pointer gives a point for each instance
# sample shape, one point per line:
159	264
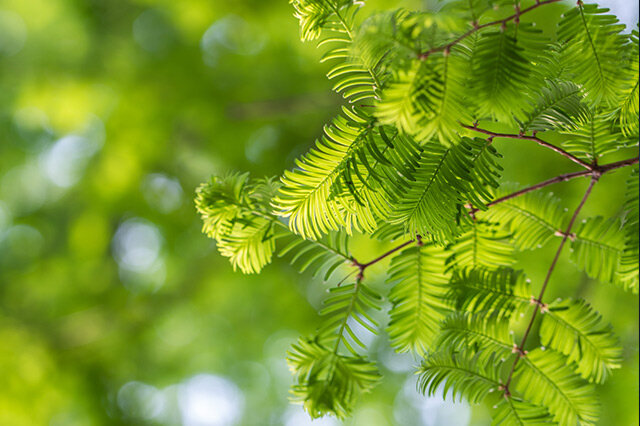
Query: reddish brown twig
533	138
599	170
538	302
477	27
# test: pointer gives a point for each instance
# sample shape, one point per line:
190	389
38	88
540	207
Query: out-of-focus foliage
114	307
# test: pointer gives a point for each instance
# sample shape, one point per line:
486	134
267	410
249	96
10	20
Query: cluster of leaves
400	161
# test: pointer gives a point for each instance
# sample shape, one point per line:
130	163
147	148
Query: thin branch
538	302
600	170
612	166
476	28
363	266
533	138
595	173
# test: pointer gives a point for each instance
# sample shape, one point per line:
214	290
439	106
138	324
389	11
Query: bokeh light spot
260	142
13	33
208	400
232	34
65	161
139	400
162	192
137	245
152	31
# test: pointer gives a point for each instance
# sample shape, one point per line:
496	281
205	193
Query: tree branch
538	302
600	170
363	266
533	138
595	173
516	16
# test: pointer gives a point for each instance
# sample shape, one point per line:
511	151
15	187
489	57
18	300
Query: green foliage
628	272
403	162
446	179
515	411
228	206
418	298
545	378
479	332
630	98
500	292
558	107
317	15
500	72
576	330
592	137
328	383
485	245
532	219
345	303
597	246
592	47
462	374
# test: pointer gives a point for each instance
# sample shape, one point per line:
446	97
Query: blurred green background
114	308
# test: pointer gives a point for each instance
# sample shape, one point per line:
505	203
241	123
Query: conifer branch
476	27
533	138
539	305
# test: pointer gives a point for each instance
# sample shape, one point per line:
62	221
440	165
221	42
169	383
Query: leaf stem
424	55
562	178
363	266
533	138
538	302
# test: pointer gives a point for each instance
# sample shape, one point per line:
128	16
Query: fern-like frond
532	218
305	193
557	108
399	105
629	109
500	73
462	373
221	201
417	297
597	247
445	181
250	244
488	335
333	22
374	178
546	378
345	305
514	411
628	270
325	254
326	382
501	292
235	213
355	81
471	10
593	52
485	245
315	16
354	163
575	329
593	137
387	41
426	98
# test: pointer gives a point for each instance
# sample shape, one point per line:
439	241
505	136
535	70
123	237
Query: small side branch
599	170
533	138
363	266
539	305
476	27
